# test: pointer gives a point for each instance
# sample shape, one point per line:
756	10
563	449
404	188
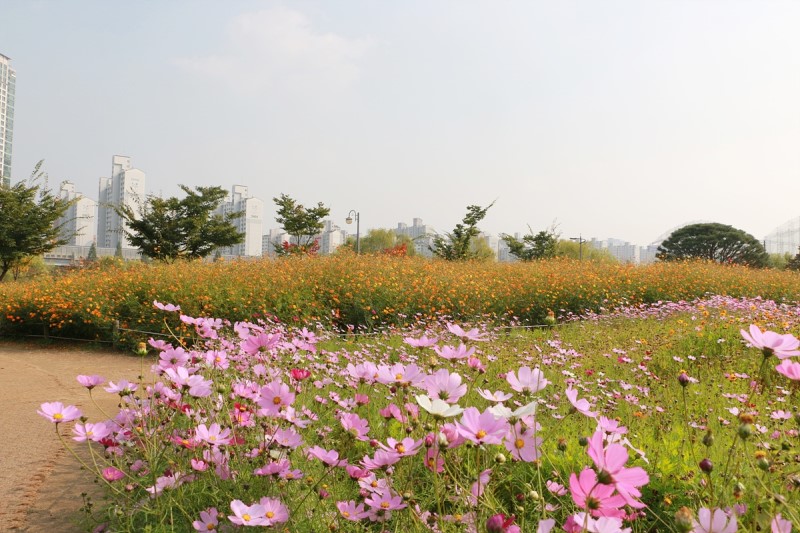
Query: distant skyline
614	119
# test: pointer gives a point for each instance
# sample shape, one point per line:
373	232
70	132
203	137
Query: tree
715	242
457	245
794	263
118	250
576	250
543	245
92	255
29	212
386	241
301	223
170	228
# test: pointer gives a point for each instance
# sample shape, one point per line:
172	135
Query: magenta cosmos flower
770	343
582	406
56	412
599	499
610	462
274	396
714	523
481	428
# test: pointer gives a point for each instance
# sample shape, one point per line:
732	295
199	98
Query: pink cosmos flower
599	499
481	428
716	523
450	353
445	386
475	363
479	487
610	463
274	396
90	382
583	522
582	406
770	343
355	425
526	380
196	385
123	387
780	525
363	372
244	515
497	396
213	435
522	443
330	458
546	526
381	459
88	431
422	342
112	474
400	375
56	412
555	488
472	334
208	520
166	307
261	343
382	503
789	369
275	512
405	448
352	511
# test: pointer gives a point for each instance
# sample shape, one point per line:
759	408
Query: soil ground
41	483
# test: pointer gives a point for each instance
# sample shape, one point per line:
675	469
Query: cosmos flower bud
745	431
562	445
706	465
500	458
708	439
683	519
683	379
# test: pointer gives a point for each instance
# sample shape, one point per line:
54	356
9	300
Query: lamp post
579	239
349	220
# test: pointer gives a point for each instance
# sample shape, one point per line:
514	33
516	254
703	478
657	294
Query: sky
610	119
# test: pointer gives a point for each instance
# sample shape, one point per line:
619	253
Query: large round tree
714	242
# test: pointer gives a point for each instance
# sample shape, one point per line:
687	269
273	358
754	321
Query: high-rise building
8	81
124	187
421	234
78	223
250	222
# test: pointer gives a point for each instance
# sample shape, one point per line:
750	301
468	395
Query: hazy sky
612	118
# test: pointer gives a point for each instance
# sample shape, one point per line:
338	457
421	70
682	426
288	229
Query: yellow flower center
270	514
480	434
276	400
345	514
519	443
58	416
246	517
210	527
398	377
400	448
384	505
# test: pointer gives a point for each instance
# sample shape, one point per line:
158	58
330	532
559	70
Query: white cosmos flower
501	411
438	408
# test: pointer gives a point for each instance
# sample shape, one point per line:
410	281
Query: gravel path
41	484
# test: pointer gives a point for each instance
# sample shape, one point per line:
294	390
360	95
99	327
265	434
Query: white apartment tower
79	222
250	223
8	81
124	187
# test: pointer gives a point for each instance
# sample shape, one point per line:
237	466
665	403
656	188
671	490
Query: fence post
46	331
115	334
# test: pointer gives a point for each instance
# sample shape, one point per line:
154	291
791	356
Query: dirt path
41	484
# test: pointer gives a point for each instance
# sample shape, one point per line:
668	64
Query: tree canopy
302	224
542	245
28	214
714	242
186	228
387	241
457	245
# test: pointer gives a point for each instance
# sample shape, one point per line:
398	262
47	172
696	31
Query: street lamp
349	220
579	239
